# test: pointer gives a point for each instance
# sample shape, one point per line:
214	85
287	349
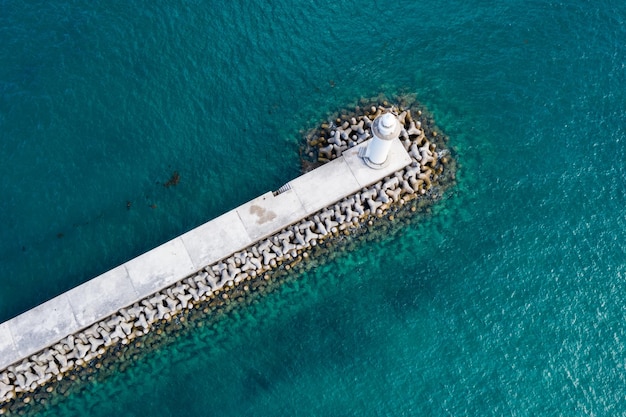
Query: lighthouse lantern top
386	127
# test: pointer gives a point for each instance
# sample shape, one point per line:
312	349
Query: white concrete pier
167	264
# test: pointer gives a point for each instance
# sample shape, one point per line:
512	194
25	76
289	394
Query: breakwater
420	166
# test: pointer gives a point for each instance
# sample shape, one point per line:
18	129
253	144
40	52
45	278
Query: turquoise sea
509	299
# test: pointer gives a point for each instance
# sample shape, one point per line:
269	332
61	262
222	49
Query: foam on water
507	300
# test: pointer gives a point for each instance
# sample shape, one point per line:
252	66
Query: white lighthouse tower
385	128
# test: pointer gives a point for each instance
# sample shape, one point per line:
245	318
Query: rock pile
431	171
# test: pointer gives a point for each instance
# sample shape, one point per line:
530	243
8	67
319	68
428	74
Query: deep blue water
508	300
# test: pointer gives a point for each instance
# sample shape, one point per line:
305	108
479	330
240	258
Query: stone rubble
79	350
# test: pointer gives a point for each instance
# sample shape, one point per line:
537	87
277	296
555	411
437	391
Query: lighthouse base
369	162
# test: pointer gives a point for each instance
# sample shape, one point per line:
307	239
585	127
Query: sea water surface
509	299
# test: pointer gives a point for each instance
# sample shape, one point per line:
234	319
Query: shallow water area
507	300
